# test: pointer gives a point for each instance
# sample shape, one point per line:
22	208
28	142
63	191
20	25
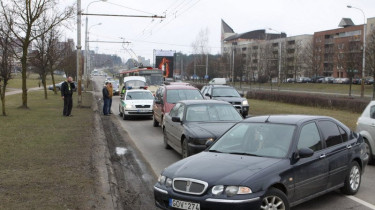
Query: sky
186	18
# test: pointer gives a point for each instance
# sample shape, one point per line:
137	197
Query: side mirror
304	153
242	95
207	95
209	143
157	101
176	119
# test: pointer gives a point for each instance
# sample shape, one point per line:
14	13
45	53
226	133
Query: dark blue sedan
266	162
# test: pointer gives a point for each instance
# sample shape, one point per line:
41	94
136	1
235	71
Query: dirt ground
125	179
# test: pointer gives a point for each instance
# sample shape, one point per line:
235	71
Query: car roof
180	87
221	86
285	119
192	102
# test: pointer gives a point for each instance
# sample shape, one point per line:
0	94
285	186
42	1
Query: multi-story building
338	47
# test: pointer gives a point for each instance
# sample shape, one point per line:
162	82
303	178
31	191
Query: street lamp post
364	50
86	41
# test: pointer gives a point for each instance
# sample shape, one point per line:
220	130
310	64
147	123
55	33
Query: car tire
352	180
165	138
119	109
184	149
275	199
369	152
155	123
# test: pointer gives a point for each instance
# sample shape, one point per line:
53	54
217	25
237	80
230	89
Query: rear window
173	96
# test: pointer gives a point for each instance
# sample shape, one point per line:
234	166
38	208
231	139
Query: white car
366	127
136	102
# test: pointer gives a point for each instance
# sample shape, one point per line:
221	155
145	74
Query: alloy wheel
354	178
272	203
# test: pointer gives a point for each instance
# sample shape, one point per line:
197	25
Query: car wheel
166	145
185	149
119	109
156	123
352	180
275	199
369	152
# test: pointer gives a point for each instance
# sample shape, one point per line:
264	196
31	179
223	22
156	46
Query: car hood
229	99
209	129
140	102
219	168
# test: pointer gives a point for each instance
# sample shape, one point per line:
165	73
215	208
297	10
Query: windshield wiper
243	153
212	150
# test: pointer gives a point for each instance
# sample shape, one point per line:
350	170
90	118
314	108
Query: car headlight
237	190
245	103
168	182
129	106
162	179
217	190
200	141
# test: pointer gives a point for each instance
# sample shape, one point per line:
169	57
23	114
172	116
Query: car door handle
322	156
349	146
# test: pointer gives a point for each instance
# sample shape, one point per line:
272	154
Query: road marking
371	206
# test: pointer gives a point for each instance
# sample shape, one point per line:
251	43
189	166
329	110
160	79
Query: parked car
191	123
116	88
229	94
290	80
328	80
341	81
304	80
218	81
137	102
366	127
167	96
58	86
133	82
315	79
267	162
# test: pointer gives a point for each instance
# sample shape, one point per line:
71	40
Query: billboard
164	60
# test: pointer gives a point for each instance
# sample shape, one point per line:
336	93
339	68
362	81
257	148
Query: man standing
67	89
110	91
106	99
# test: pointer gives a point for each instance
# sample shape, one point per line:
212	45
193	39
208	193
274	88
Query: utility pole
182	68
207	65
79	73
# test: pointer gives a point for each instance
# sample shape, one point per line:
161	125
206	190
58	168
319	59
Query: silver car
366	127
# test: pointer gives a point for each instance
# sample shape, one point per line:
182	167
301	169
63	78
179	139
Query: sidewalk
18	91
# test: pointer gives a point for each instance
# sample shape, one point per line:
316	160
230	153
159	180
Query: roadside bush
324	101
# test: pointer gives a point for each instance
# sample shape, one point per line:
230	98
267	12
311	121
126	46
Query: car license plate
184	205
142	110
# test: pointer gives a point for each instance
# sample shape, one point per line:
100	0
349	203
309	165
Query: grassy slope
44	157
259	107
32	81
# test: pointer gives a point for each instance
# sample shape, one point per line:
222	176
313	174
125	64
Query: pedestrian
105	99
110	91
67	88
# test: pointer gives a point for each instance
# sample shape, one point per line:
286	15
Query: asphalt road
149	140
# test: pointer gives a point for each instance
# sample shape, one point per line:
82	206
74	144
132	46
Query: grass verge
260	107
44	157
31	81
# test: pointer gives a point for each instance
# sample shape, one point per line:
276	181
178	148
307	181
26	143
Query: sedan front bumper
163	196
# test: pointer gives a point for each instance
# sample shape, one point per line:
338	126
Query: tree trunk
24	76
2	97
44	82
350	86
53	82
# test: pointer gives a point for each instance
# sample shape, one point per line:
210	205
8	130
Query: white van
133	82
218	81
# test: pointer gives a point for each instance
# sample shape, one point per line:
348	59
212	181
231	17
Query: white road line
371	206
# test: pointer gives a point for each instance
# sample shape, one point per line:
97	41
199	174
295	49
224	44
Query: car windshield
256	139
135	83
139	95
212	112
173	96
224	92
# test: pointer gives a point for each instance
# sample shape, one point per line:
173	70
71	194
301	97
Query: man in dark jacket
67	89
106	99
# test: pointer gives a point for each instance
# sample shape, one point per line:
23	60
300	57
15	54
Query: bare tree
313	57
6	62
55	53
27	15
370	57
